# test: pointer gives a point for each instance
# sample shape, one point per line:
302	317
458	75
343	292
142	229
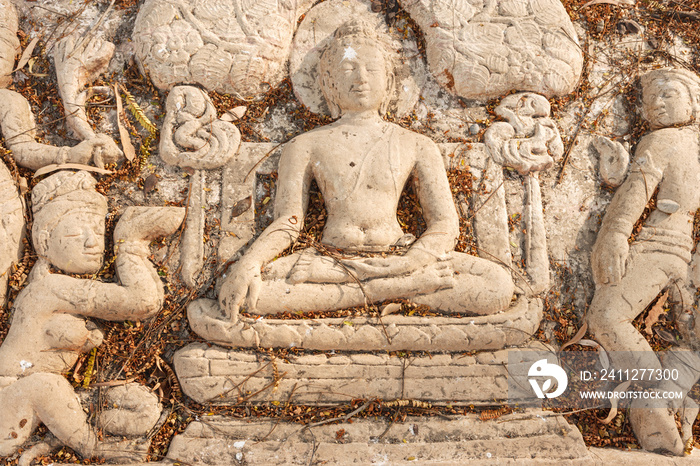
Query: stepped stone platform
513	439
221	376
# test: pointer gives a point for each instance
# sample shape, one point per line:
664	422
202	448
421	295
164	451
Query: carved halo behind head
355	30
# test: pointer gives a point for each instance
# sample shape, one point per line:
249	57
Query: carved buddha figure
629	276
50	325
361	164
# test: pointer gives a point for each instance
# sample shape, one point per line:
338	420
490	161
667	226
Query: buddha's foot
426	280
655	428
313	267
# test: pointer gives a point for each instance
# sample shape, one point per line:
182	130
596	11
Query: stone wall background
619	39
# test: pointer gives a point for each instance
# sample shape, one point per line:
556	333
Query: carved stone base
221	376
515	438
391	333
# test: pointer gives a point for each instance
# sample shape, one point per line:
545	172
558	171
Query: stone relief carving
19	128
193	137
629	276
75	68
235	46
79	61
614	160
480	50
356	72
529	142
9	43
361	163
51	324
314	34
11	228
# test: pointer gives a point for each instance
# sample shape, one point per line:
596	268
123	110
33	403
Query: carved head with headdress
69	222
357	49
670	97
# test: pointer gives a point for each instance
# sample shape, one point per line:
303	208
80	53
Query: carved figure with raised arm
361	164
18	128
77	62
629	276
51	322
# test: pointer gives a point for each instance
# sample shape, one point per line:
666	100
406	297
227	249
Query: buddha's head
357	70
670	97
69	222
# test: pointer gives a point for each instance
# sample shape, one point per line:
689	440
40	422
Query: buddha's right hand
241	289
608	258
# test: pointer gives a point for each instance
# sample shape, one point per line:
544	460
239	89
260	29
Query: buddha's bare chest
353	171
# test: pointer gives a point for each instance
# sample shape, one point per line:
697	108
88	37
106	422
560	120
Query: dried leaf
27	54
71	166
127	146
241	207
234	114
150	183
654	313
23	186
613	402
665	335
579	335
602	354
31	69
391	308
610	2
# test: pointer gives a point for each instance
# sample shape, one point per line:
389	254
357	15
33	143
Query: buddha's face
667	102
77	243
360	77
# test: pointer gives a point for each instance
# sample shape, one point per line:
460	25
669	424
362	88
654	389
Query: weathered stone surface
529	142
604	456
481	50
514	438
9	43
11	228
234	46
504	206
192	135
314	34
132	410
361	164
80	61
220	376
393	333
614	160
50	327
630	277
